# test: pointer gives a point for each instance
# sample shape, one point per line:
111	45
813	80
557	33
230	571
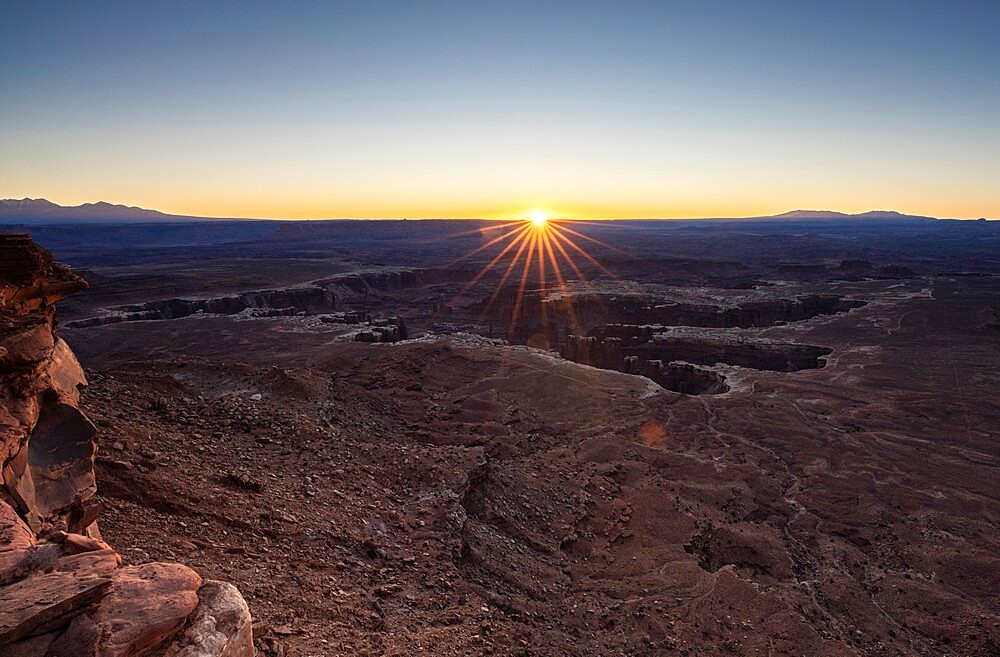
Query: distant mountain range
830	214
42	211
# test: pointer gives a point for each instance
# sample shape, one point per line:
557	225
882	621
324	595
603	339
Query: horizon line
505	217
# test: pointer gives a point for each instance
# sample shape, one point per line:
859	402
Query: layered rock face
668	355
64	591
611	354
709	346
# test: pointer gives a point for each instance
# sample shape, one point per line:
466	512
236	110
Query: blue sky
487	109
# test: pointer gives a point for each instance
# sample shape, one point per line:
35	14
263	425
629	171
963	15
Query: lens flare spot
653	434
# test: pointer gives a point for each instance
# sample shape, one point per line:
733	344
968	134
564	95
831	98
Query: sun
529	241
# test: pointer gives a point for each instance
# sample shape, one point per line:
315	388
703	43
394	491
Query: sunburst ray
560	280
489	266
529	253
590	258
591	239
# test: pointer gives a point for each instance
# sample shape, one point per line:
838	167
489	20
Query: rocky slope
459	497
63	590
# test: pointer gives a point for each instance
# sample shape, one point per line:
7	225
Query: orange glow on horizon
258	204
302	205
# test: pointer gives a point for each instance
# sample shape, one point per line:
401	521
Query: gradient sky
459	109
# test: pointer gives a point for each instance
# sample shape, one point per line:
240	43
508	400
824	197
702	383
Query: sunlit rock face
63	591
47	444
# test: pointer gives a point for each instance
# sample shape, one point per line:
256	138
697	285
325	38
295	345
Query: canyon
740	452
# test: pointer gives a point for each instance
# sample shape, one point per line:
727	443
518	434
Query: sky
490	109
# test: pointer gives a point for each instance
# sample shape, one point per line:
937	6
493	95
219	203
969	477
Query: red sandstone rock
100	562
18	564
52	593
220	626
80	639
20	556
47	446
78	544
146	606
36	646
14	534
44	602
29	279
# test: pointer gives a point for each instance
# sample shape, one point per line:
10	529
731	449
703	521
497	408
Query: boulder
44	602
80	639
36	646
220	626
147	605
78	544
14	534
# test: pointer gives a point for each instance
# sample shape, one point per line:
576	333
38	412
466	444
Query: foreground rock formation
63	590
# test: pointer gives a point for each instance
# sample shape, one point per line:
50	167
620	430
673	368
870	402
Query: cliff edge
63	591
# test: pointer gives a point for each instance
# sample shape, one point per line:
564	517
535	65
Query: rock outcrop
671	373
63	590
669	355
709	346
